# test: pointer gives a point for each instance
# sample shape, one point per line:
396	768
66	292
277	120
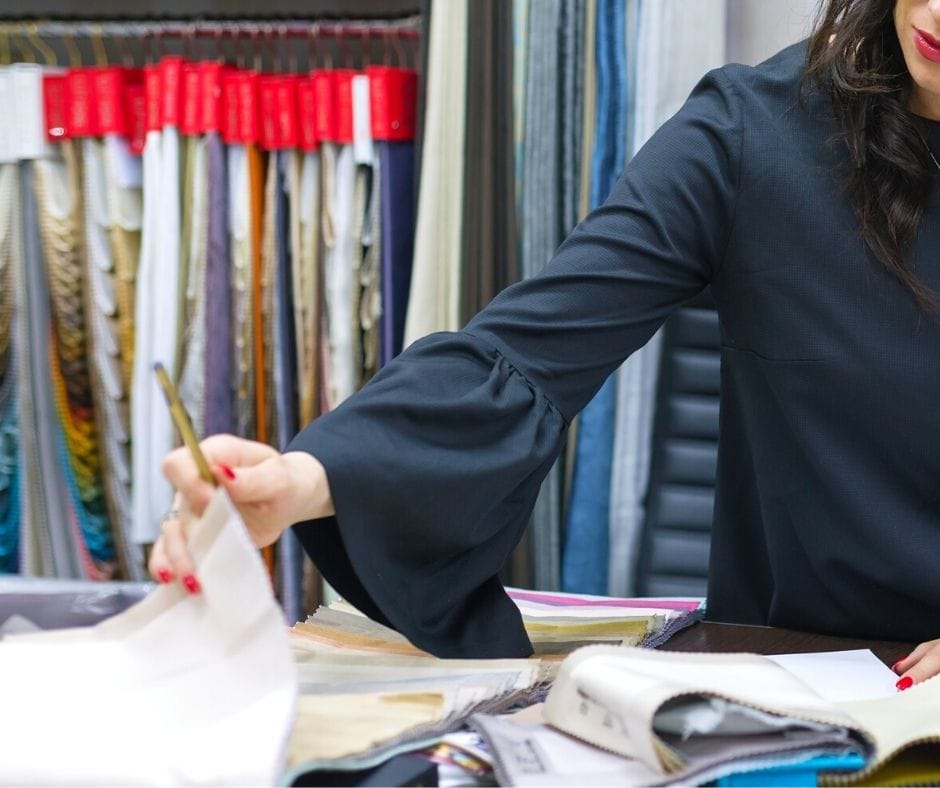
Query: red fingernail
227	471
192	584
904	683
894	667
164	576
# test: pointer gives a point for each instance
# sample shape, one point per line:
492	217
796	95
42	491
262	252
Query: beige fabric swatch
178	690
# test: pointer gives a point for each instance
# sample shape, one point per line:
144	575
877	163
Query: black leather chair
672	559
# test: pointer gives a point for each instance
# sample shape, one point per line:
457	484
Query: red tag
171	77
108	81
211	80
342	105
323	98
191	115
247	106
285	102
306	114
82	117
267	97
229	120
152	97
135	112
393	101
55	101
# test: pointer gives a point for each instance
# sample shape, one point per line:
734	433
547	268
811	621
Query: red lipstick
927	45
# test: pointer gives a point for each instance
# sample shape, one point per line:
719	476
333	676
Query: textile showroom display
251	230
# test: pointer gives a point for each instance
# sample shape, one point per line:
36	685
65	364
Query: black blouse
827	510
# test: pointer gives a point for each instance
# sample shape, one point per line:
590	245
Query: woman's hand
271	491
922	663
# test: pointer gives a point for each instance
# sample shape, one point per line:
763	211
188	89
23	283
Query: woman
805	192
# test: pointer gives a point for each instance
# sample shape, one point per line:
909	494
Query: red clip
323	98
55	101
135	109
82	114
393	102
171	77
306	114
152	80
342	105
286	107
267	100
108	92
229	121
191	89
211	86
248	107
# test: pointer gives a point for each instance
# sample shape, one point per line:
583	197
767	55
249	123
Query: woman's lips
927	45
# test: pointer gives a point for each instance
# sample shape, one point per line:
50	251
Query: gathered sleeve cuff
433	469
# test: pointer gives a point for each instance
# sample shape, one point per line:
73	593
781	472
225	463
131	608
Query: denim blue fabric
584	568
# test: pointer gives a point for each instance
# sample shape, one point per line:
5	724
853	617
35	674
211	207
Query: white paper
841	675
178	690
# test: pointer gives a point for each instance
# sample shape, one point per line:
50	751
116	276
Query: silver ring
173	514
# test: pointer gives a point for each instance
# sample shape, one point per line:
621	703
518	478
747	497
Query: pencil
183	423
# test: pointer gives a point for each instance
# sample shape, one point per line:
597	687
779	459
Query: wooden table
714	637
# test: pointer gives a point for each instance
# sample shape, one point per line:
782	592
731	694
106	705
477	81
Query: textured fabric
823	518
111	204
125	208
60	211
434	301
218	392
685	43
584	568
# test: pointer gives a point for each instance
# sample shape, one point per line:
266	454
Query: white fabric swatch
178	690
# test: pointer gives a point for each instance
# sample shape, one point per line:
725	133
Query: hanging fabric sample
111	182
392	113
585	558
341	258
307	274
540	234
193	339
367	229
57	186
219	365
691	40
434	302
490	243
239	231
157	306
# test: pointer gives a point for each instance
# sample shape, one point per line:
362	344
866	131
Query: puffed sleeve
435	465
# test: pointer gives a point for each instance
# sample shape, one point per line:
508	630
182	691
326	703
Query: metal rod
407	27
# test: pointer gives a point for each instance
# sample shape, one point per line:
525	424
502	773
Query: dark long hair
855	59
